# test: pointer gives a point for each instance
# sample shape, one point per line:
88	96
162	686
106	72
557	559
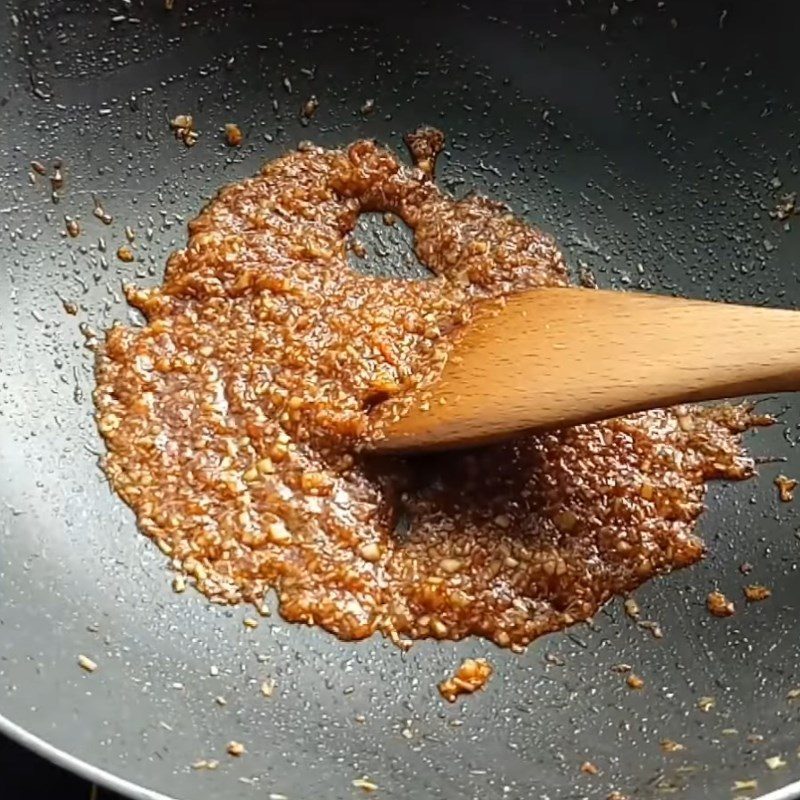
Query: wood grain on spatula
556	357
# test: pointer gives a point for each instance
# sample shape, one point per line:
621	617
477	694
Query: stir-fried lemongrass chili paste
233	417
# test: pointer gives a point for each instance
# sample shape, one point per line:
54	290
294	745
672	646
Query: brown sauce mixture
233	417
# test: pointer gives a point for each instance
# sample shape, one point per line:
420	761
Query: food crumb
368	106
183	127
774	762
250	622
365	784
233	135
310	107
793	694
706	703
235	749
268	688
631	608
220	700
616	795
125	254
470	676
57	178
554	659
358	249
589	769
656	631
634	681
263	609
755	592
745	786
719	605
785	207
73	226
671	746
86	663
70	307
179	584
205	763
786	487
101	213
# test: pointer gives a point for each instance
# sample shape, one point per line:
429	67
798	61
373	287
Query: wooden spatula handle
565	356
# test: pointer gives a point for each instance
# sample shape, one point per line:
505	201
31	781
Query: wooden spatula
555	357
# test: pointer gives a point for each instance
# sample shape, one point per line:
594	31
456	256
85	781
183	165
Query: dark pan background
652	138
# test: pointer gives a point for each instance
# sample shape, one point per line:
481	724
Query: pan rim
135	791
77	766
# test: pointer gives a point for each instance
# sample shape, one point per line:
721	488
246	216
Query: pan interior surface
656	141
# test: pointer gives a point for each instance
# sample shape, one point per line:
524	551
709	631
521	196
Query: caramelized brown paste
232	420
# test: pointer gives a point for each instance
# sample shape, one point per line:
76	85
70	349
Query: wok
652	138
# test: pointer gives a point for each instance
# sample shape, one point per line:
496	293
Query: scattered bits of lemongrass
205	763
250	622
706	703
84	662
365	784
719	605
635	682
786	487
125	254
471	675
631	608
774	762
755	593
233	135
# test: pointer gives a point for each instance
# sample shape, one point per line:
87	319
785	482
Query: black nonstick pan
656	140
